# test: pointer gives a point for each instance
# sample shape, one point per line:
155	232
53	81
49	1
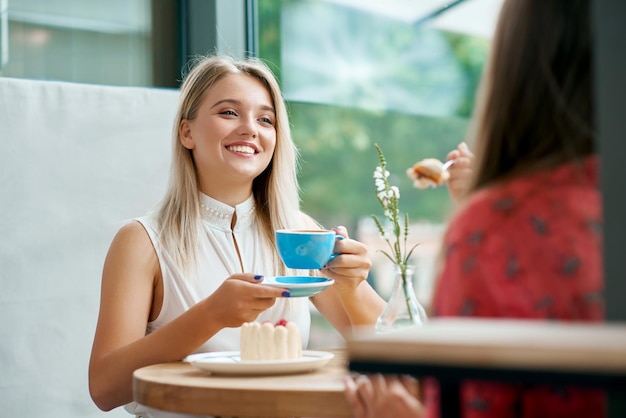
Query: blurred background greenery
413	97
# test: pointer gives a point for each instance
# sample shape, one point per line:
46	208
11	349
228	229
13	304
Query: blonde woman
185	277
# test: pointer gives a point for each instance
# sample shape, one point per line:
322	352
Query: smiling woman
231	136
185	277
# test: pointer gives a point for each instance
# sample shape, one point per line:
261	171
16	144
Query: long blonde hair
275	190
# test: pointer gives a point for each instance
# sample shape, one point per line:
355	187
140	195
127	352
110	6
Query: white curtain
76	161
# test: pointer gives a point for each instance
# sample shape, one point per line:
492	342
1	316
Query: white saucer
229	363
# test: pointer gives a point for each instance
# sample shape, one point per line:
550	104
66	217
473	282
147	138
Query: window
402	74
117	42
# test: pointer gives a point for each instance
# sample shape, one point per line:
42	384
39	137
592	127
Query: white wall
75	162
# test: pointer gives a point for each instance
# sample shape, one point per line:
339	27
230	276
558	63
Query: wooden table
180	387
500	350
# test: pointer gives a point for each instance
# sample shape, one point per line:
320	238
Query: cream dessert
429	172
267	341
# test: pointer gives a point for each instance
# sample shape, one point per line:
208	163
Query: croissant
429	172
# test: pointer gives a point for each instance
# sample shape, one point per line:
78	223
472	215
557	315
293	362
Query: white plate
299	286
228	362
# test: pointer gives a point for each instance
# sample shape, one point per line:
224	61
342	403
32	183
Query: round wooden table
180	387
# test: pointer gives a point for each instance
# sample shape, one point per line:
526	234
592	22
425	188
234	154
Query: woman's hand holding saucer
240	299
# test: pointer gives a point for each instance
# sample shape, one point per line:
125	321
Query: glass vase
403	309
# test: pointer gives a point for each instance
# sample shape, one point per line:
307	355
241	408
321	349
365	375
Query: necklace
223	216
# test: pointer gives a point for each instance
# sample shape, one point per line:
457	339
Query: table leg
449	398
616	404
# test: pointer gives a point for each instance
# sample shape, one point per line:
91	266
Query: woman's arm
351	301
131	274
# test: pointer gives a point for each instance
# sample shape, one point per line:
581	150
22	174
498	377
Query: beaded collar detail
220	214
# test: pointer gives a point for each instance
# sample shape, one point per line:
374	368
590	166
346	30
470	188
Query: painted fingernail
258	277
286	293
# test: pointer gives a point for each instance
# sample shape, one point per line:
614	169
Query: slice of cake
267	341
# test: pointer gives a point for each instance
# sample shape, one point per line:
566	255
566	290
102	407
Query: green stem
407	297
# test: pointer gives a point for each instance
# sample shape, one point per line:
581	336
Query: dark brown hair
535	107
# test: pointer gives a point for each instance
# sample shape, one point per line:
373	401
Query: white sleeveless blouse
218	260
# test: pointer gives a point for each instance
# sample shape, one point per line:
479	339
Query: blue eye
266	120
228	113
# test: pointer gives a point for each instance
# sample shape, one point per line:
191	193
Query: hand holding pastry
460	171
455	172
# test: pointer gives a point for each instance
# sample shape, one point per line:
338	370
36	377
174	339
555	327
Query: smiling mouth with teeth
242	149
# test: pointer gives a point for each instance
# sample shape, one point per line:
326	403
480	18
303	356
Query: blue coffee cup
306	249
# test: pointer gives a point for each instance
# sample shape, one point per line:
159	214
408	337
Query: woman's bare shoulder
133	231
133	242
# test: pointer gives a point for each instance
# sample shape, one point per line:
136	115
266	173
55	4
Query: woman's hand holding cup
352	265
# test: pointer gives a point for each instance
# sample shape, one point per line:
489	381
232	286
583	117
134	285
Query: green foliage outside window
337	142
